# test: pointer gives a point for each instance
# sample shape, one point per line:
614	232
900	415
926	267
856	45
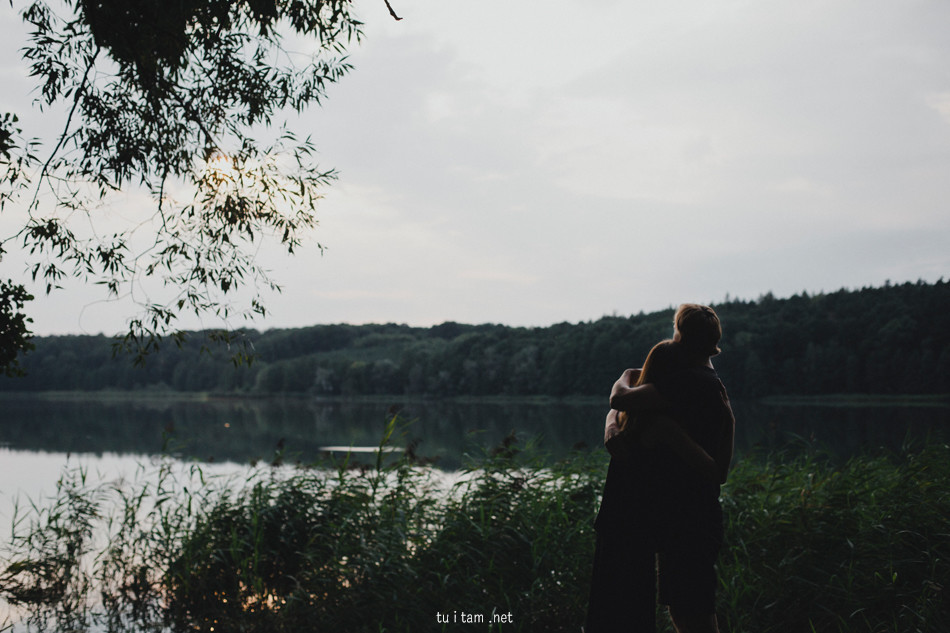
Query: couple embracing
670	433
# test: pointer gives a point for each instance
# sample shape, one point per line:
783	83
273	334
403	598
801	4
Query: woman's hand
631	376
624	396
613	441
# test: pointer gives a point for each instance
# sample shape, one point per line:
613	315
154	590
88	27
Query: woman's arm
625	397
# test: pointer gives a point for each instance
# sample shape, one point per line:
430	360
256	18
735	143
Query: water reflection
841	430
245	430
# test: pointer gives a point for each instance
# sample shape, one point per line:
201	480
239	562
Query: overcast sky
531	163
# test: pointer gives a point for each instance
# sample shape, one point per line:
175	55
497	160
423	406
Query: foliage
889	340
15	336
516	540
810	545
861	547
173	99
15	158
51	578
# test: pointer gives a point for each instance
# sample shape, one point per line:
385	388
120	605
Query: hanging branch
391	12
77	97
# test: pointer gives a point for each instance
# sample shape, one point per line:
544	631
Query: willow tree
186	102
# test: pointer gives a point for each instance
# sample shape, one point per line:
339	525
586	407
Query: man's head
697	328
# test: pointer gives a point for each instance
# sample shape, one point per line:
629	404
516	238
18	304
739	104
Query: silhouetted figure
670	433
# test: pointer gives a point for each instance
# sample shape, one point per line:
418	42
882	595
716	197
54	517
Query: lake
113	433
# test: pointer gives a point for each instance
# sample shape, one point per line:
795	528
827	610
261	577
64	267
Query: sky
534	163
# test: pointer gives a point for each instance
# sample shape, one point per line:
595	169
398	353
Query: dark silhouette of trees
890	340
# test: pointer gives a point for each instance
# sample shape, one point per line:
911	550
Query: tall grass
864	546
811	545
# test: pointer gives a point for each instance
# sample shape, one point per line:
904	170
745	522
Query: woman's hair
659	360
699	328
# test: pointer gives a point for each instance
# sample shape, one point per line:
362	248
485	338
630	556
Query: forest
893	339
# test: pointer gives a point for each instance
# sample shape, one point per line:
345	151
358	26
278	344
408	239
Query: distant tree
844	342
185	102
755	383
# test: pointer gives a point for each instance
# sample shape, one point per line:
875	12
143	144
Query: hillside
893	339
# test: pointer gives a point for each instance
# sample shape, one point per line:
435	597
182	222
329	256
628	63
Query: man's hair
699	328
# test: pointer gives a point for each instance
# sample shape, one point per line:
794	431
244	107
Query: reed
396	546
861	546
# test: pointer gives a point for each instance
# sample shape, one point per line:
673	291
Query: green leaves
15	336
154	92
17	157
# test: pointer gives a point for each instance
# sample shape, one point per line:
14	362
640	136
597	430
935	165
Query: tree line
893	339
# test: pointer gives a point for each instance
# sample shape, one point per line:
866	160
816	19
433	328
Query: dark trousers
623	585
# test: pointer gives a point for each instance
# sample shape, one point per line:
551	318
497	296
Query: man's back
698	404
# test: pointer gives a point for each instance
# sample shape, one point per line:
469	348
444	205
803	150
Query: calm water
39	437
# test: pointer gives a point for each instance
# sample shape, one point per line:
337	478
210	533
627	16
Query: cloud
941	103
624	156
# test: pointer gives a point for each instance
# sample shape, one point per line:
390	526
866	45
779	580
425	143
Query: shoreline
118	395
151	395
